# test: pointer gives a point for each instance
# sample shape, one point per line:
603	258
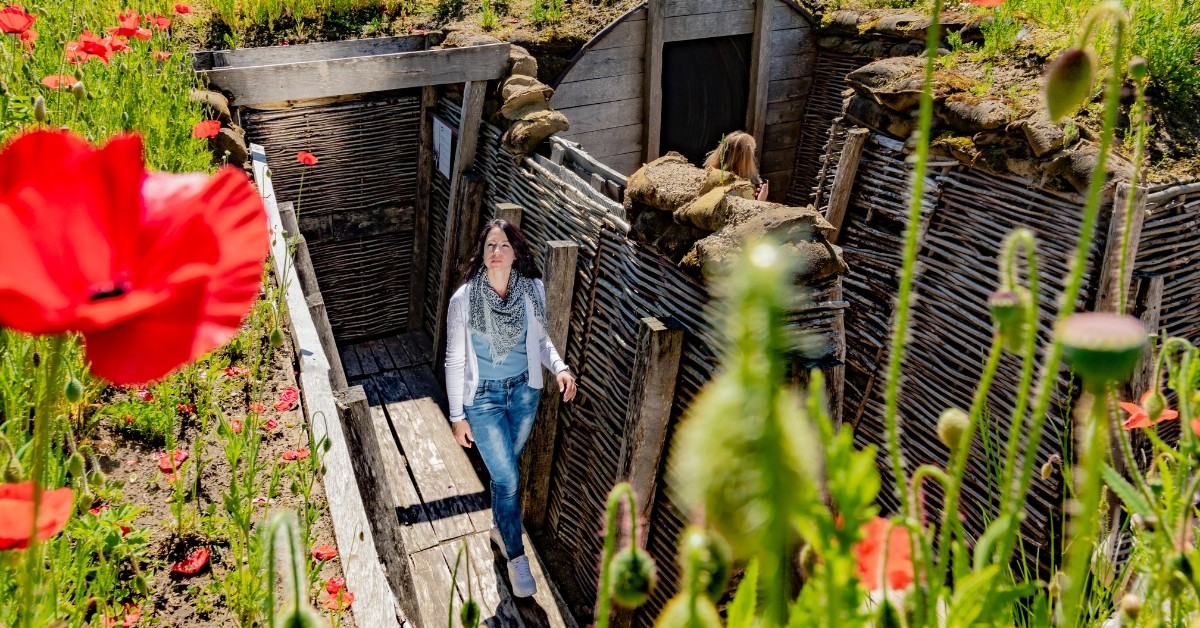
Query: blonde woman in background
735	154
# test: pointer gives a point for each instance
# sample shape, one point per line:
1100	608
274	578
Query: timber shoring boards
791	62
1169	249
355	205
967	215
439	497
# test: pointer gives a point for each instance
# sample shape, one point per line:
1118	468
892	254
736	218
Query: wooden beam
416	309
1149	306
287	215
835	377
1108	295
360	75
272	55
304	267
538	458
376	605
320	317
706	25
474	94
760	71
510	212
362	438
652	79
843	180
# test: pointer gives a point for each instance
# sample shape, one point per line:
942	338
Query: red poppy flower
287	399
144	395
192	564
154	269
74	54
95	47
339	602
295	454
335	584
160	55
306	158
987	3
98	509
236	371
256	407
117	44
28	38
131	616
186	408
158	21
879	537
1139	417
16	513
182	8
128	419
129	19
206	128
235	426
270	424
172	460
324	552
59	81
15	20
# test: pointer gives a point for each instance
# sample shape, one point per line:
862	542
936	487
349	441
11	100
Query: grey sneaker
498	541
520	578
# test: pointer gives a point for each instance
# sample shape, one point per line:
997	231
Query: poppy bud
469	613
75	465
1138	68
950	427
678	612
276	337
634	576
97	479
268	172
37	357
123	67
74	391
79	74
1102	347
1057	582
1069	82
1008	313
78	91
301	616
1154	403
39	109
710	555
325	446
125	119
1131	606
295	488
12	471
1047	470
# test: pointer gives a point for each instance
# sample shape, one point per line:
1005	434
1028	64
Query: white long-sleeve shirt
462	366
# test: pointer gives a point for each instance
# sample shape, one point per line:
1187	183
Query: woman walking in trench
496	346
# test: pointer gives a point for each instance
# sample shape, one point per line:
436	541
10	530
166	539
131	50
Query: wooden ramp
441	501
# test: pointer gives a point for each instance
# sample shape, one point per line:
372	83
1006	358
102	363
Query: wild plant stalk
1137	120
619	492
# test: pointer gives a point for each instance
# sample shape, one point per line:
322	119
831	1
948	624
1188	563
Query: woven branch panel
355	206
824	105
967	215
1169	248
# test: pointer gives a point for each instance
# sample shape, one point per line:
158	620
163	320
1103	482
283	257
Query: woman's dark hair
524	262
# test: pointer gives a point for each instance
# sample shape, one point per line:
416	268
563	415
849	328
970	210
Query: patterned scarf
501	321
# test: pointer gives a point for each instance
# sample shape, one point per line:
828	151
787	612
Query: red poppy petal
1168	415
1131	408
987	3
192	564
1136	421
16	513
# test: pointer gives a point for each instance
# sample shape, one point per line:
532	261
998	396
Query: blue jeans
501	419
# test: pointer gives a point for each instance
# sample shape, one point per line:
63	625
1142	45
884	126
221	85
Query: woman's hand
566	384
763	190
462	433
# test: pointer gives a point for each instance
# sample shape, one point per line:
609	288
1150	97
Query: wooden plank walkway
440	498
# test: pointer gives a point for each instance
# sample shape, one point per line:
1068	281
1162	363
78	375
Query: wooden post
305	270
557	153
468	136
320	317
371	472
1108	295
538	458
835	378
843	179
416	310
1149	304
510	212
287	216
760	72
652	78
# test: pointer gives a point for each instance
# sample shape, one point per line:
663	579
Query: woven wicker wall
368	159
1170	249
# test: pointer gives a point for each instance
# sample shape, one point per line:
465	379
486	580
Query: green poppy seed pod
678	614
1102	347
97	479
470	613
1154	404
124	67
78	91
13	471
39	109
268	171
326	445
708	553
1138	68
1008	313
125	119
295	488
75	465
74	390
633	577
951	426
1069	82
1131	606
79	74
277	337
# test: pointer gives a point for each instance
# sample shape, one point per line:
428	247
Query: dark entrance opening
705	91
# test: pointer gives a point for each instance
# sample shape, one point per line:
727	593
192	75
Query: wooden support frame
562	257
1149	306
372	475
320	317
760	72
376	604
273	55
511	212
652	78
835	377
1108	295
843	179
421	208
359	75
